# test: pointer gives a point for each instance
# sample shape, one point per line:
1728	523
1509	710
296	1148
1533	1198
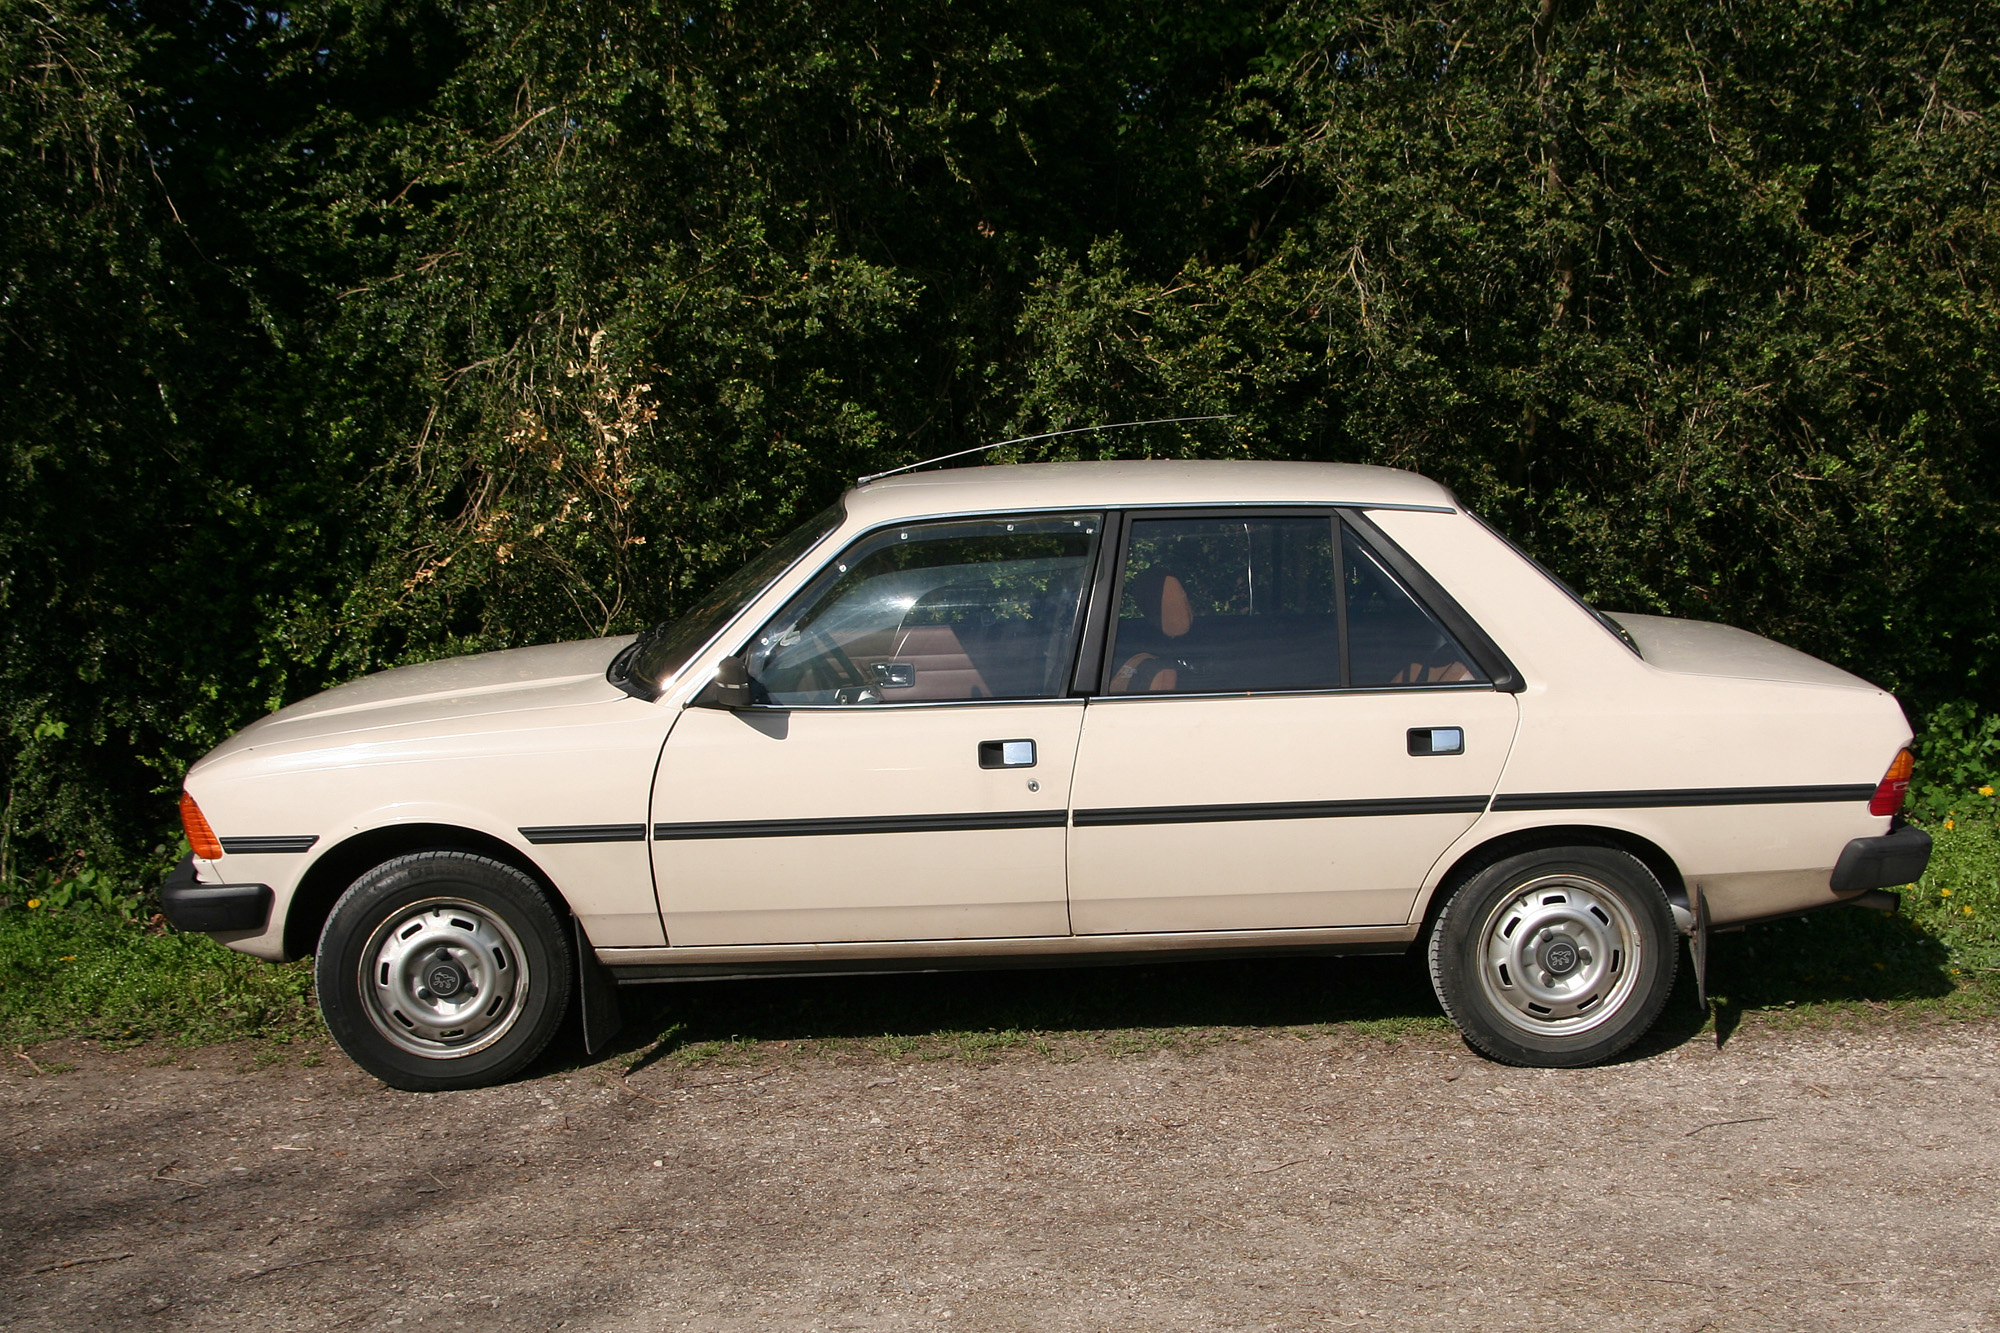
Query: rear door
1285	733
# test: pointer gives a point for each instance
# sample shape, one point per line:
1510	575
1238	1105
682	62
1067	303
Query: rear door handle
1437	740
1006	754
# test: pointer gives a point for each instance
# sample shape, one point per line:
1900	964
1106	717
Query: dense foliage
344	334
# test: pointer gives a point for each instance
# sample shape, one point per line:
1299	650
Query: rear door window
1392	638
1228	605
1212	605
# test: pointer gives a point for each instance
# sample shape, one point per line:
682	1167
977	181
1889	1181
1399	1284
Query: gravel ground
1834	1178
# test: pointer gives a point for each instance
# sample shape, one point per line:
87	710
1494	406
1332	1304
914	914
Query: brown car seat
1165	615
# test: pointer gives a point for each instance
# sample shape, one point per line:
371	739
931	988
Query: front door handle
1006	754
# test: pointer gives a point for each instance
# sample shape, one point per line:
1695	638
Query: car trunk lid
1700	648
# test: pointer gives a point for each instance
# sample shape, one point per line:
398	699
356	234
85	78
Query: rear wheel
443	970
1558	957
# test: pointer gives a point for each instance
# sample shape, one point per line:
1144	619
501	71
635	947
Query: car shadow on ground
976	1011
1839	955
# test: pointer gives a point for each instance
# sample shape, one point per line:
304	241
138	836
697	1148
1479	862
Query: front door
905	772
1286	737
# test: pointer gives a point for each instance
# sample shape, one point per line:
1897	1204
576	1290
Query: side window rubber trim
1102	607
1107	637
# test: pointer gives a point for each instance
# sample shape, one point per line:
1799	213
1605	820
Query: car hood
1700	648
454	690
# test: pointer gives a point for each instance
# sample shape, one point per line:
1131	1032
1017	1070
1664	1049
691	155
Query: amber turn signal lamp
201	838
1895	785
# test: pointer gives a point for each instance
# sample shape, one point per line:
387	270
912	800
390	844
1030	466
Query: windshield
663	650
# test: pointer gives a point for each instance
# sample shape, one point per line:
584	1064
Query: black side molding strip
297	842
1684	796
806	828
585	833
1220	814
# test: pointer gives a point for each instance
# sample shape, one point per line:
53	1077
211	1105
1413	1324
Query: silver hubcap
443	978
1559	956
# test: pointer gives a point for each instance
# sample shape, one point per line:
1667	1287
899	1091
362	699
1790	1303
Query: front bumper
191	905
1897	857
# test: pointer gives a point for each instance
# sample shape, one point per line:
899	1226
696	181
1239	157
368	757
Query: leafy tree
346	334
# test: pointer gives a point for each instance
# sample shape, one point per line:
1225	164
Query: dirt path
1811	1179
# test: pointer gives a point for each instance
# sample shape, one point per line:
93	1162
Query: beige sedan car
1057	713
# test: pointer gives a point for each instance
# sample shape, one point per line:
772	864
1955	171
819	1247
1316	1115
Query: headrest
1176	615
1163	601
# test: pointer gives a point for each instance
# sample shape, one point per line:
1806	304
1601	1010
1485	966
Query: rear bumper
191	905
1897	857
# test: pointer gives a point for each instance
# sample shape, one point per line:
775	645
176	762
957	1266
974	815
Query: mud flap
597	995
1698	946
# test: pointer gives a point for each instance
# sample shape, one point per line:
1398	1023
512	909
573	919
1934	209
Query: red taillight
1895	785
201	838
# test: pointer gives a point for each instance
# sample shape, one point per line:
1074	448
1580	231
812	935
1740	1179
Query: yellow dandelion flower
1986	790
1950	824
1966	910
1944	893
34	902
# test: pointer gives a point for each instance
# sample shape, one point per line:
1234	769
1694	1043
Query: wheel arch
330	875
1515	841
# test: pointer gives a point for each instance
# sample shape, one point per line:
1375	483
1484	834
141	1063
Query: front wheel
1557	958
442	970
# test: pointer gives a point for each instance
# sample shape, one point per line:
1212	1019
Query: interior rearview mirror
729	689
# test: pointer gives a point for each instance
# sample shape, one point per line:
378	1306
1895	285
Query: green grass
1958	902
70	975
101	977
1936	958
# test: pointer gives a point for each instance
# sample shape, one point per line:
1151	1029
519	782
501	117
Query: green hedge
339	336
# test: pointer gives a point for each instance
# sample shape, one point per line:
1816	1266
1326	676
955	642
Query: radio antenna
1030	439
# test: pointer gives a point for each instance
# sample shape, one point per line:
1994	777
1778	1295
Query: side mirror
729	689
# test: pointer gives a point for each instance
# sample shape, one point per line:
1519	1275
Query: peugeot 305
1046	714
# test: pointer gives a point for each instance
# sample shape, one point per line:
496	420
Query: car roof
1131	485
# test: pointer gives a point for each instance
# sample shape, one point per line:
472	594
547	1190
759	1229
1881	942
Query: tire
1555	958
441	970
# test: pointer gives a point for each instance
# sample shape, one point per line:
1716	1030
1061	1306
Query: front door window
931	613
